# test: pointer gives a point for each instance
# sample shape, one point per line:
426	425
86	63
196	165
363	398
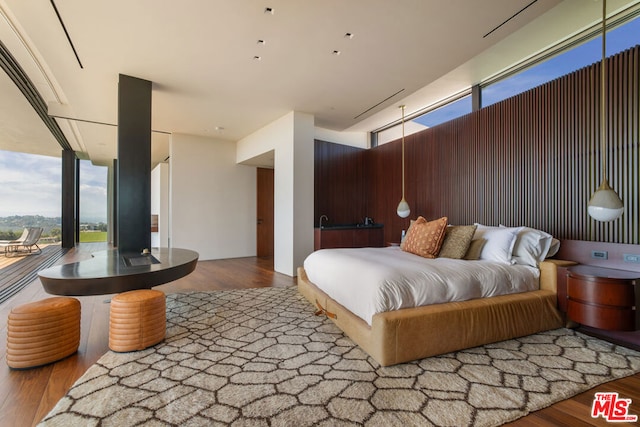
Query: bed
395	332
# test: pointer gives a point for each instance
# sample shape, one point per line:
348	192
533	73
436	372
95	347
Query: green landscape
11	228
93	236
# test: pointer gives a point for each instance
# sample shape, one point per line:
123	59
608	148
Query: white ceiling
199	54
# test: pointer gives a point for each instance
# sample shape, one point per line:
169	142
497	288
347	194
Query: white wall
160	204
292	140
213	199
354	139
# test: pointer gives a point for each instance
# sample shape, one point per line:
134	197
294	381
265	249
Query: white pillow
531	246
554	248
499	242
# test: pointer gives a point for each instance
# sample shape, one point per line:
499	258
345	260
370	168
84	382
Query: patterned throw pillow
425	238
456	242
475	248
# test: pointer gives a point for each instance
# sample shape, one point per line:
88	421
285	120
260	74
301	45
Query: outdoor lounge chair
26	245
19	240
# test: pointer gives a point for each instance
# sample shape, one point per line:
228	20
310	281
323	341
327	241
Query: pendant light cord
402	106
603	93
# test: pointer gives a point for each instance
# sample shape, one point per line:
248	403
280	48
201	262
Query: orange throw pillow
425	238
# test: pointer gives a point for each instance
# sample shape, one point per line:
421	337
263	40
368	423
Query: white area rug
259	357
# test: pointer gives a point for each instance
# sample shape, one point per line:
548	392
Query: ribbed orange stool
43	332
137	320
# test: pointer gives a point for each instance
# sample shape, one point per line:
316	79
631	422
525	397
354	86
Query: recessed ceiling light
336	52
219	128
268	10
261	42
257	58
348	35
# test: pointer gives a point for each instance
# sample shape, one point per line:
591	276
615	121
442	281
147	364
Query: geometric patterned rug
259	357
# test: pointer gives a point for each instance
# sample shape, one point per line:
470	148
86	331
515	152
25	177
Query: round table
112	271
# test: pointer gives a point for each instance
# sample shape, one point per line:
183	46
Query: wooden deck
18	271
27	396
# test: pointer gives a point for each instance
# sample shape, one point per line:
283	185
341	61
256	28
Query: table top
109	272
594	272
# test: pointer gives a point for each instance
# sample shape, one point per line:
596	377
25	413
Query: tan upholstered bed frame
415	333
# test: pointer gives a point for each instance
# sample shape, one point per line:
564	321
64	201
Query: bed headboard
608	255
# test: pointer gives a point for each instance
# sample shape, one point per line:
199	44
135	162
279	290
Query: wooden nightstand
603	298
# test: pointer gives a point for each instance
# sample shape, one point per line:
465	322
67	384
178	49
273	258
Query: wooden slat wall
532	159
340	183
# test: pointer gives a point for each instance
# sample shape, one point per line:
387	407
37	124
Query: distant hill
19	222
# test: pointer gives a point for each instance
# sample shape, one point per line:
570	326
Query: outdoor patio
16	272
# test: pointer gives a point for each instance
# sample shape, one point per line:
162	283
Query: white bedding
367	281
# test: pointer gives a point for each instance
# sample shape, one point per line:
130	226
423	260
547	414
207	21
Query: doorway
264	214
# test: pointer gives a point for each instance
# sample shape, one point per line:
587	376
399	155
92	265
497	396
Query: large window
560	63
29	185
93	202
450	111
565	62
433	117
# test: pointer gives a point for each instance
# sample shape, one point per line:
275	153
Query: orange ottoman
43	332
137	320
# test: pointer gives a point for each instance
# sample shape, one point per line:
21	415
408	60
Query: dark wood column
69	185
133	181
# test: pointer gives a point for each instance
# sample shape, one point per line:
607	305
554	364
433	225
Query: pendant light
605	205
403	207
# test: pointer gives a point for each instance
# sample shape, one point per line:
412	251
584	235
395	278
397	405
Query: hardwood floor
26	396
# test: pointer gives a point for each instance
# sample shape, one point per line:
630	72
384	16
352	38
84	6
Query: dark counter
110	272
348	226
349	236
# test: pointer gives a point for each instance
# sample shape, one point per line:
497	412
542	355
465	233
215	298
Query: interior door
265	205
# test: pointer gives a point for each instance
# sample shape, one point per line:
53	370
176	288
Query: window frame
558	48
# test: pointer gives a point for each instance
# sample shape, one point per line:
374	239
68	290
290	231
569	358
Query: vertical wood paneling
340	183
533	159
529	160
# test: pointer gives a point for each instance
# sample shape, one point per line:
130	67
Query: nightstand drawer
601	291
602	298
602	316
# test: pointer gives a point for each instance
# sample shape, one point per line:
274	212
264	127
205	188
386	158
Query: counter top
348	226
595	272
110	272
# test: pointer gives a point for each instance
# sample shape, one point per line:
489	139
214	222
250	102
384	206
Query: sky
618	39
31	185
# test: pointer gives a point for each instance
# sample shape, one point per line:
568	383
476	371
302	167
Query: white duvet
374	280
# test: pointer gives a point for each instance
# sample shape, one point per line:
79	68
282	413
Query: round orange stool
137	320
43	332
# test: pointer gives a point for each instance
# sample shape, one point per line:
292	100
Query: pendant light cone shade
604	205
403	209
